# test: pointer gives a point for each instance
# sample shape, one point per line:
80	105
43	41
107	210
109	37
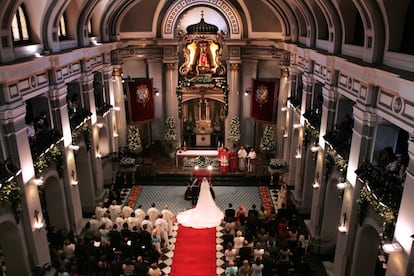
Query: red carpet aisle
195	252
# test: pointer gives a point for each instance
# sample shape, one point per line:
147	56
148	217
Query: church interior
308	103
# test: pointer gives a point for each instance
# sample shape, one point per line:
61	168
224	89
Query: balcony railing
78	116
43	140
104	108
313	117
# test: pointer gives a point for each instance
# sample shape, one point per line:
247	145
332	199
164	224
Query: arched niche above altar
202	48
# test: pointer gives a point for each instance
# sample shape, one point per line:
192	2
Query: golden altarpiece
202	89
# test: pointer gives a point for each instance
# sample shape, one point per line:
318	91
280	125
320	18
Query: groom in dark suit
195	190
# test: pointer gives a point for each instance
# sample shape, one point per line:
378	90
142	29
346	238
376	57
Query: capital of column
170	66
284	72
117	72
234	67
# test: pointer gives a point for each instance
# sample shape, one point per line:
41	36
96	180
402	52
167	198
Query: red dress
233	161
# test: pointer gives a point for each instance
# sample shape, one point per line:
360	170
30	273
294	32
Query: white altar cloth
194	153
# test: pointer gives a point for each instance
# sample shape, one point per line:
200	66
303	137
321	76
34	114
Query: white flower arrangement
134	140
170	133
127	162
267	143
201	162
278	164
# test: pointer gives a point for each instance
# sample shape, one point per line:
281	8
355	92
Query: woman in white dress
206	214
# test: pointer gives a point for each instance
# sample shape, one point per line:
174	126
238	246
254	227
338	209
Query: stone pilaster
234	97
119	111
171	102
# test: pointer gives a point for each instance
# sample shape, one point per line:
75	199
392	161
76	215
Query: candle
184	143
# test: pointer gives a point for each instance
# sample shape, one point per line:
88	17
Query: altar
179	155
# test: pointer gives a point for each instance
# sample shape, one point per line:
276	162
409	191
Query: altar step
217	180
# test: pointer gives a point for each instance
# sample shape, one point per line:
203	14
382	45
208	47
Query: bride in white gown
206	214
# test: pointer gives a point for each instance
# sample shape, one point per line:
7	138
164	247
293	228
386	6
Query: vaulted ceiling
333	26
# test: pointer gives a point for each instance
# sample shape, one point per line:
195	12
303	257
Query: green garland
311	134
387	214
82	132
220	83
10	197
333	159
52	157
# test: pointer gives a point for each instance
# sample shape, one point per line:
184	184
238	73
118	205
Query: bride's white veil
206	213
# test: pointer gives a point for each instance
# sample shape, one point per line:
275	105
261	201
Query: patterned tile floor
174	197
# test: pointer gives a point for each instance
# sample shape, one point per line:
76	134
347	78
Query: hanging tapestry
141	100
264	97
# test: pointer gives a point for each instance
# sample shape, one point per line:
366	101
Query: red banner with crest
140	100
264	97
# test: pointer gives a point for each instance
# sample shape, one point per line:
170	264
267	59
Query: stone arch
51	25
333	205
334	24
227	10
12	245
84	16
54	202
303	11
366	249
375	39
87	185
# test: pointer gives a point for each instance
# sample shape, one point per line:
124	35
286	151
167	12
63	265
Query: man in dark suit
195	190
230	214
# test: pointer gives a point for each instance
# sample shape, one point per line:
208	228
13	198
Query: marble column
318	194
57	97
109	99
155	67
119	112
171	101
233	69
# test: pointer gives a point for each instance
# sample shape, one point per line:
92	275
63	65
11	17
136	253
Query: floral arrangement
170	134
134	140
278	164
234	134
202	162
127	162
267	143
10	197
51	157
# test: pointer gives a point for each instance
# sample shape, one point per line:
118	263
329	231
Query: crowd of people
116	240
262	242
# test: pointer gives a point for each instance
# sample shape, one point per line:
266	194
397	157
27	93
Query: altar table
194	153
